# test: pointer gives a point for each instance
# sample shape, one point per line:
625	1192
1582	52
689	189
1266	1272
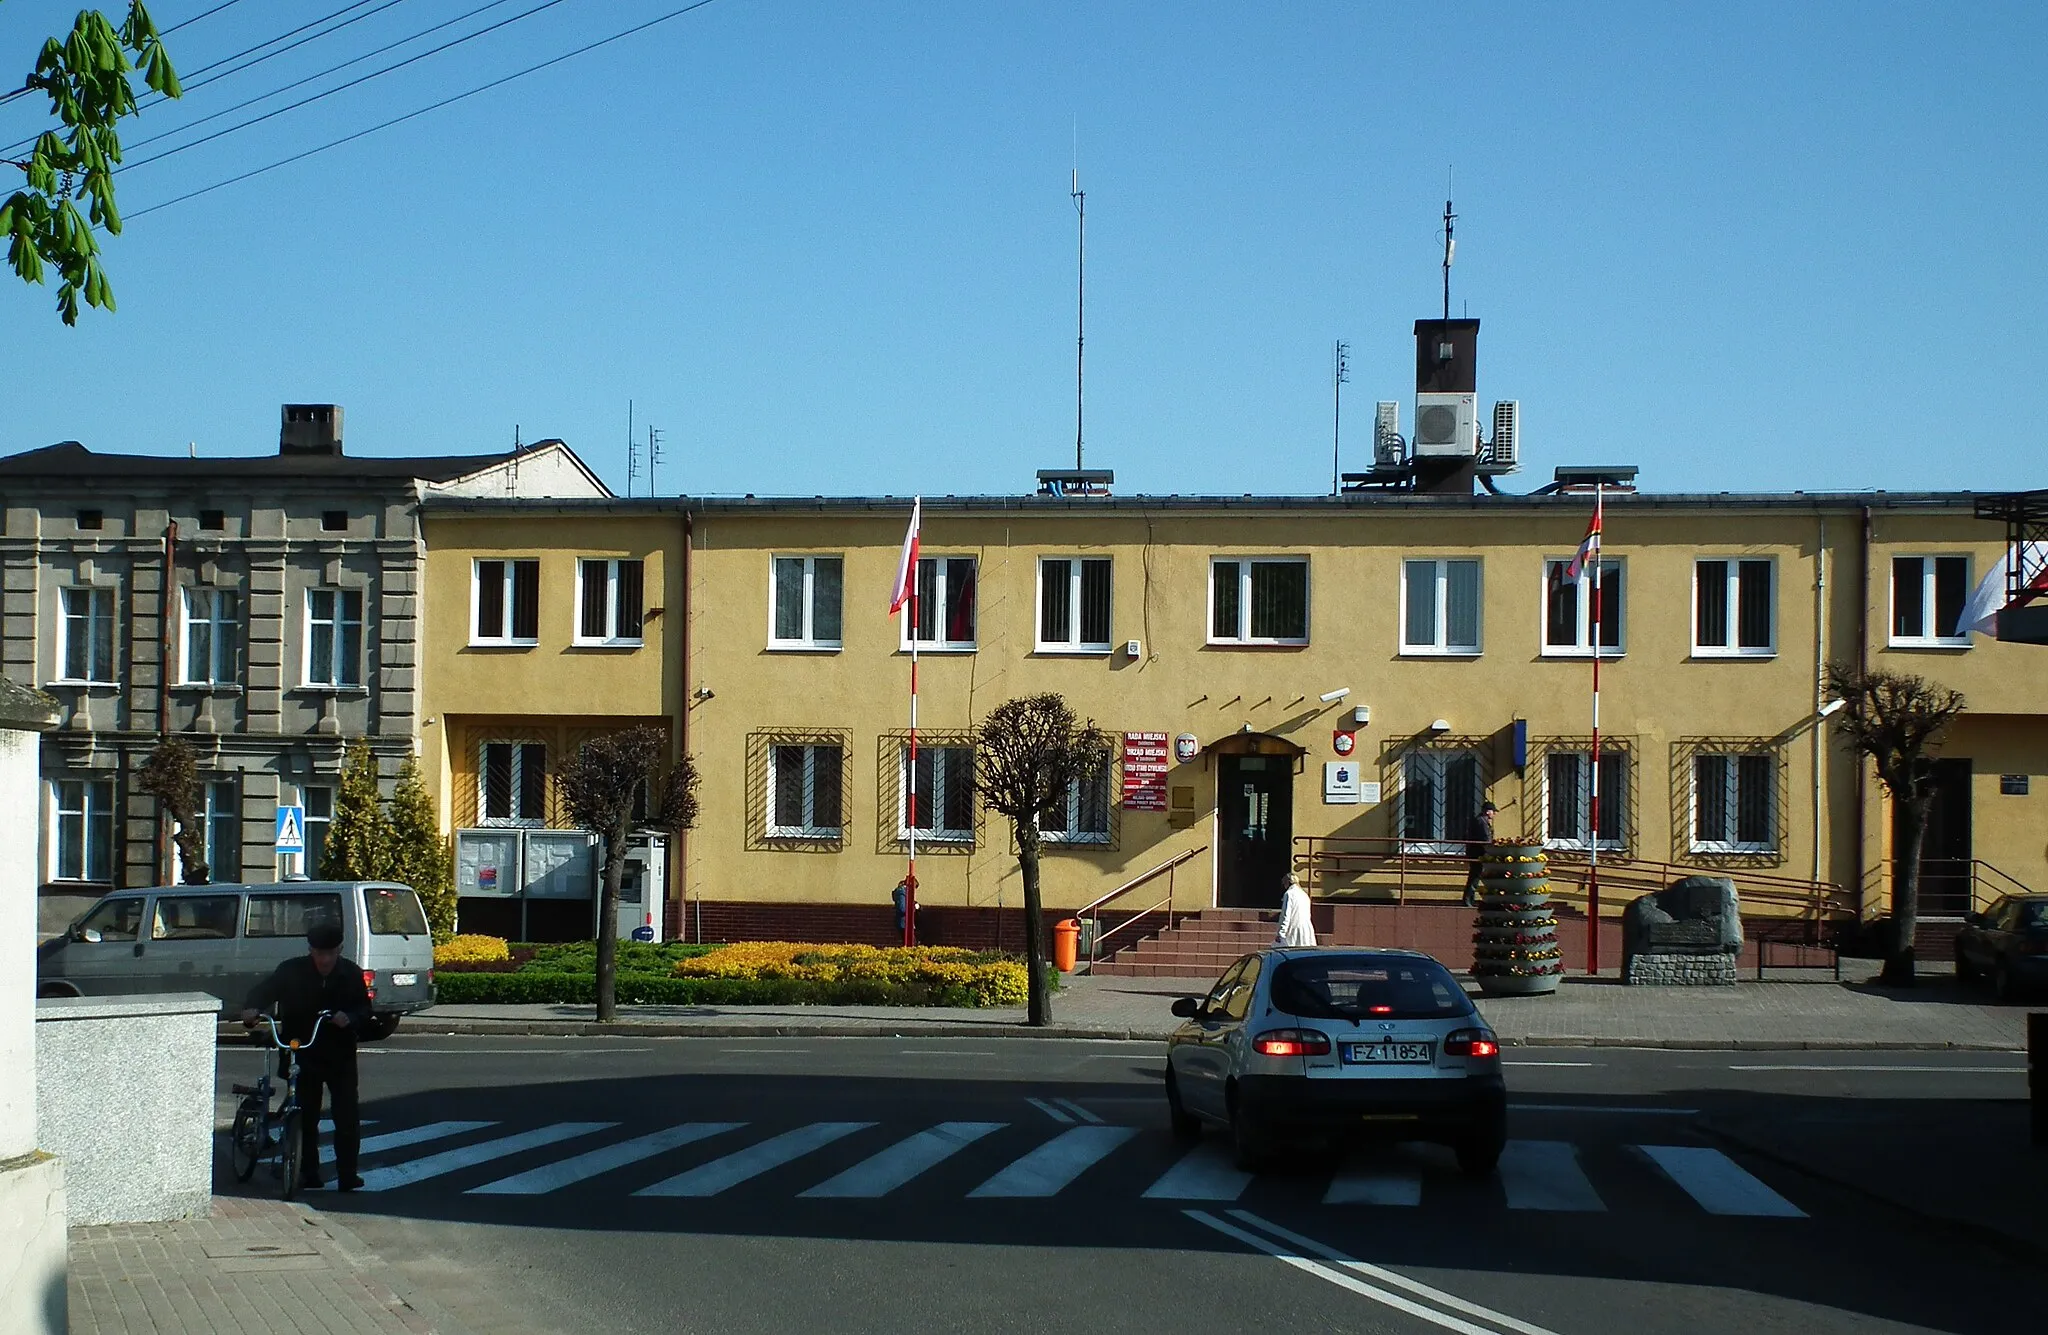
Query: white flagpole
910	880
1593	834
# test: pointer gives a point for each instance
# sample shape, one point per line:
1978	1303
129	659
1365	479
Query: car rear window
2034	913
394	913
290	914
1349	989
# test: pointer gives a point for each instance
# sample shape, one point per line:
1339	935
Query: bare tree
603	787
1029	753
1893	719
171	776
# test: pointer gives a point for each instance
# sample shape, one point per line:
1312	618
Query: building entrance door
1255	829
1945	869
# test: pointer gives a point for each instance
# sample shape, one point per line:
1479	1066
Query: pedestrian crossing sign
291	829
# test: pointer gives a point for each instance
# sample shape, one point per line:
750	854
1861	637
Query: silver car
1295	1044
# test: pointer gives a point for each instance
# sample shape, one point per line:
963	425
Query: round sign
1186	747
1343	741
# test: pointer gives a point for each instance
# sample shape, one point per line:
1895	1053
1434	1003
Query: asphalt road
744	1186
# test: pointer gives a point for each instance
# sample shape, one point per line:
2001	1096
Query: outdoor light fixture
1831	707
703	693
1440	725
1332	697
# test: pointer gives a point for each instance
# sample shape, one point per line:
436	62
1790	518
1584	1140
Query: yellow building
1333	684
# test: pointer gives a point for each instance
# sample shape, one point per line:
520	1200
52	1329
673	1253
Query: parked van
224	939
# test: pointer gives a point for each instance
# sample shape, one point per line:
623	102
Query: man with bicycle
302	988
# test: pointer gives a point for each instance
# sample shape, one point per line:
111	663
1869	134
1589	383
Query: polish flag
906	565
1980	613
1589	548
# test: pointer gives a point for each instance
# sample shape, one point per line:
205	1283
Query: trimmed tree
358	834
171	776
1893	719
602	787
1029	752
418	854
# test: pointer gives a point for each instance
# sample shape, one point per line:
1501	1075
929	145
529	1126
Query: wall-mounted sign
1145	764
2012	785
1369	791
1343	741
1340	783
1186	747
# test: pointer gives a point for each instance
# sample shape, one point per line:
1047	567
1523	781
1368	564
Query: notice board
1146	760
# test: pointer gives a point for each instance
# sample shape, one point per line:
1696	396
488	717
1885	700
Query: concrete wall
98	1060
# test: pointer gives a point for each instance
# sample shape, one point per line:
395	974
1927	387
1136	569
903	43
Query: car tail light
1291	1043
1379	1010
370	983
1472	1043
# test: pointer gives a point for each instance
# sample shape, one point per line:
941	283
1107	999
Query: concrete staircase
1200	945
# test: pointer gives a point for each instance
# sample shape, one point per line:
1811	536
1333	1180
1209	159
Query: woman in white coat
1295	927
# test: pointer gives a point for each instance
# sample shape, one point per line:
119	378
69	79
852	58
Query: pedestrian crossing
1027	1160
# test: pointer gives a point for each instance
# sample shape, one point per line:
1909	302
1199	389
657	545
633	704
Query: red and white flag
906	565
1589	548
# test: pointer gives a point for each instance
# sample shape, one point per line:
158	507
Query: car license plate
1390	1052
404	979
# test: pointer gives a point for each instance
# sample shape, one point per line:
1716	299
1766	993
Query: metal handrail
1165	869
1987	882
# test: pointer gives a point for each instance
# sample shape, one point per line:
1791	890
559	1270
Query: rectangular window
505	596
1440	607
223	829
318	802
91	519
804	594
945	602
213	521
1568	798
804	791
1081	815
85	635
1568	609
84	843
1928	593
213	633
334	637
195	917
289	914
938	794
1258	600
1073	604
1732	608
1440	796
1734	803
512	779
609	608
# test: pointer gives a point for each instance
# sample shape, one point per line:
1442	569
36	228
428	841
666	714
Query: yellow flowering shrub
471	949
926	975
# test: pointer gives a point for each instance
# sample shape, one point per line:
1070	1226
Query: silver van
224	939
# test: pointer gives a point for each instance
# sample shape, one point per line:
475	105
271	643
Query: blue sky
828	248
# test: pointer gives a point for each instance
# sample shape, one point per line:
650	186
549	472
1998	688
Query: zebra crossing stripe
711	1178
1545	1175
1375	1186
880	1174
1204	1173
1080	1113
1718	1183
1053	1111
327	1124
554	1176
448	1161
392	1140
1055	1164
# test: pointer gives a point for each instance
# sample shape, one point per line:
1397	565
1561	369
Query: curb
368	1263
1759	1044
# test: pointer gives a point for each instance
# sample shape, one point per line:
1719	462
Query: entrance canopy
1254	744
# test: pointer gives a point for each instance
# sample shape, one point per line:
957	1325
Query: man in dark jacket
301	988
1477	836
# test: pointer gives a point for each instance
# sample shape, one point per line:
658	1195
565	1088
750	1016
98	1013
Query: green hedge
643	989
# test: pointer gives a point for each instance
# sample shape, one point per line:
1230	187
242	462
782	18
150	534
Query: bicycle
261	1132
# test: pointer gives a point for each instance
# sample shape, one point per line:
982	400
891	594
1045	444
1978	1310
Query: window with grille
334	637
805	797
1735	803
1568	799
1258	600
609	601
85	635
1073	604
213	633
1081	814
804	602
505	602
1733	608
1568	624
83	814
938	794
1928	593
512	780
1440	796
1440	607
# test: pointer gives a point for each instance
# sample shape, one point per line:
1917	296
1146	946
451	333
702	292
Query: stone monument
1688	933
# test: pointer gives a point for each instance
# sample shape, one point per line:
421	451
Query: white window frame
1732	590
95	805
508	616
1073	835
516	782
1244	634
224	630
1441	647
937	834
310	860
939	611
1929	614
1446	841
611	638
1583	759
1732	798
220	804
1582	649
99	600
344	676
1073	644
808	642
809	829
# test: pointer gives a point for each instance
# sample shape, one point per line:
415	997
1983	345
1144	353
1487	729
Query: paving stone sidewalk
254	1267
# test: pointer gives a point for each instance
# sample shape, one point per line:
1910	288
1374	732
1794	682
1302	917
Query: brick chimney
310	428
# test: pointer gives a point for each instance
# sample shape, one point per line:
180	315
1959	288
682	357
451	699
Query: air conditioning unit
1504	450
1386	436
1446	426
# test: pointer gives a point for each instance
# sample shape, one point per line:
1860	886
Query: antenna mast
1080	198
653	458
1343	375
632	450
1450	242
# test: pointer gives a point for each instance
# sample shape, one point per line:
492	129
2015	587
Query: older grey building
289	630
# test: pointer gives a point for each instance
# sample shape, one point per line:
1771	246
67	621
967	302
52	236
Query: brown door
1945	867
1255	834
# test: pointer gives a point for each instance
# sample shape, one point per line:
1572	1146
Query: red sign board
1147	757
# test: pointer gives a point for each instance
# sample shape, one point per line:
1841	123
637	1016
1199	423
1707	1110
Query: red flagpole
910	877
1593	835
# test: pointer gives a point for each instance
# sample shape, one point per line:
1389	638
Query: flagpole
910	879
1593	834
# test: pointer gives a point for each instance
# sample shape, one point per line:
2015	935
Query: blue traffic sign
291	829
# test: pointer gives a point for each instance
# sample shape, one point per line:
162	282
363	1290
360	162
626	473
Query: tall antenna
1080	198
1342	377
632	450
1450	241
653	458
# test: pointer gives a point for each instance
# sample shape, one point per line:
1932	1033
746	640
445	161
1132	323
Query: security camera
1332	697
1832	707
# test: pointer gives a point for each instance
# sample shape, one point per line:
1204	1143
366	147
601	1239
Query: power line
229	4
342	87
273	41
436	106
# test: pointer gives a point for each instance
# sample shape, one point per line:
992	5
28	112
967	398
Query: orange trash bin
1066	944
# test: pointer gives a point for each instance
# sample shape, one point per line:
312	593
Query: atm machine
641	888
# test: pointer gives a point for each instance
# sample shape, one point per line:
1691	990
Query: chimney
310	428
